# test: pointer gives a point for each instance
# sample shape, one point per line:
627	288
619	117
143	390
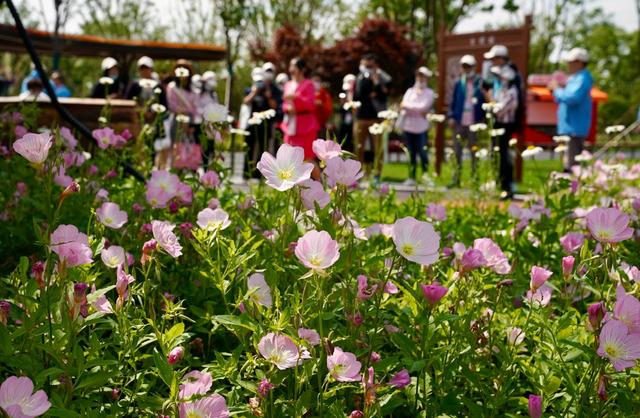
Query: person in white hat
465	110
499	56
141	89
506	99
347	112
574	103
281	79
108	89
416	103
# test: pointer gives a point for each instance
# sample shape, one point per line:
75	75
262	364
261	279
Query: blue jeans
417	144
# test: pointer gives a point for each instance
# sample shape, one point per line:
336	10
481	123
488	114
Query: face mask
210	85
113	76
421	84
363	68
316	84
268	75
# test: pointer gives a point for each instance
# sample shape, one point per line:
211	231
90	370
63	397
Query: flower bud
567	265
596	312
5	309
264	388
535	406
175	355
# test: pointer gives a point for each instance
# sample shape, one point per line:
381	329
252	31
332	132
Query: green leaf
93	380
234	321
176	331
164	369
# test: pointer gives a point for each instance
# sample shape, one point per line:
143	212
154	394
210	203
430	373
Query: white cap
495	69
257	74
108	63
282	78
468	60
497	51
347	81
268	66
145	62
576	54
425	71
209	75
507	73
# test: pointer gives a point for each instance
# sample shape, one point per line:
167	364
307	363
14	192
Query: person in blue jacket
464	111
574	103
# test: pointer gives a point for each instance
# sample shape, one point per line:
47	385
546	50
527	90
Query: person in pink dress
300	125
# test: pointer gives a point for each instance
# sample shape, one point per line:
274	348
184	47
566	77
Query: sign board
451	47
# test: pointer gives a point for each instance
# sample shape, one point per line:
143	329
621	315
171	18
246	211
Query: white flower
215	113
259	290
213	219
158	108
560	149
497	132
105	81
496	148
481	154
376	129
435	118
613	129
351	105
102	120
157	90
182	118
147	83
561	139
230	119
181	72
478	127
488	186
513	142
492	107
388	114
531	151
264	115
254	121
448	151
236	131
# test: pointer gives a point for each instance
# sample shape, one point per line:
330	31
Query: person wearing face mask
142	88
465	110
111	90
324	106
499	56
347	112
371	91
416	103
507	99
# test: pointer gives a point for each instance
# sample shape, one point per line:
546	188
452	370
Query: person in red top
324	106
300	125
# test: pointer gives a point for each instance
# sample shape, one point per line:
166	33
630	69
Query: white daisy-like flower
236	131
478	127
560	149
351	105
182	118
376	129
158	108
388	114
102	120
531	151
497	132
513	142
147	83
435	118
105	81
254	121
561	139
482	153
157	90
613	129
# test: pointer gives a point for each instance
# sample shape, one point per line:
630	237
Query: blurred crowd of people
299	108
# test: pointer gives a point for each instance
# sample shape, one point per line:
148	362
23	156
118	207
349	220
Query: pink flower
34	147
541	296
166	239
285	170
572	241
364	291
618	345
515	335
264	388
101	303
259	290
567	265
212	406
195	383
162	187
210	179
609	225
175	355
326	150
213	203
184	193
416	241
400	379
60	177
535	406
18	401
5	310
539	276
123	280
102	194
627	309
71	245
67	137
317	251
472	259
632	272
213	220
113	256
104	137
343	366
596	313
309	335
110	215
433	292
345	172
496	260
20	131
436	212
312	192
279	350
391	288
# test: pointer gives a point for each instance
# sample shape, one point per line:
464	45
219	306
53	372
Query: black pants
505	175
417	144
257	142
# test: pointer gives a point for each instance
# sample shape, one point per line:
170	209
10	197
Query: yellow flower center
108	220
612	350
407	249
276	357
315	260
194	413
285	174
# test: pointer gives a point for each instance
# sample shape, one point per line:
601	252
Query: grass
534	173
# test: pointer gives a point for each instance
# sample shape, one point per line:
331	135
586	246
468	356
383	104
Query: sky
623	13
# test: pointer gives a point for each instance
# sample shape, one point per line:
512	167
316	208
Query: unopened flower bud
175	355
596	313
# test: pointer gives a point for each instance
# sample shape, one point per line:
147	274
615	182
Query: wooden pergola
125	50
